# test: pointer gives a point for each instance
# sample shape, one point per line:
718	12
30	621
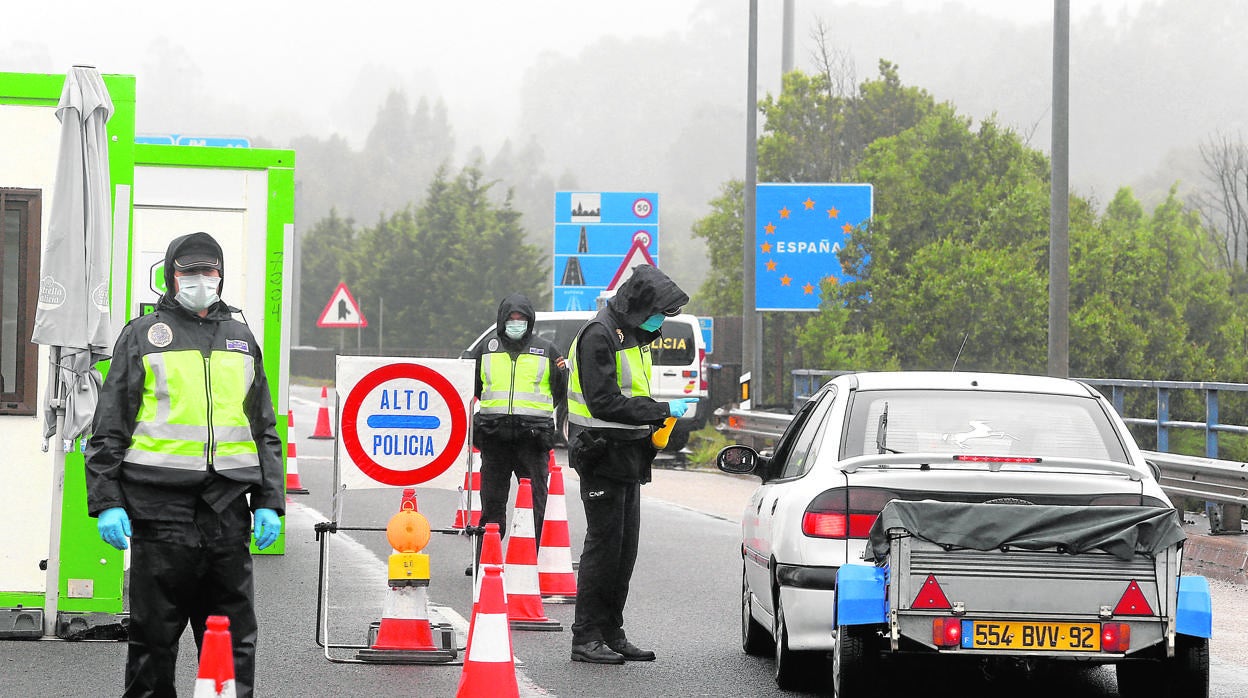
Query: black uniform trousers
613	528
500	458
184	571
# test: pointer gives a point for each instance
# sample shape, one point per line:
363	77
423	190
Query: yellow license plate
1015	635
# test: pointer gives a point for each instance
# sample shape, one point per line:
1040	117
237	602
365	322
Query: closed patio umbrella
72	317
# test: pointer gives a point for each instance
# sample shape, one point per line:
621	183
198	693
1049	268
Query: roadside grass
704	445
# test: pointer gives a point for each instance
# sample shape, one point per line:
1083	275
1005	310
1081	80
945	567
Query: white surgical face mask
514	329
197	292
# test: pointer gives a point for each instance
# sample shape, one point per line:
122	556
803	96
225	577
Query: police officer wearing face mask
185	462
520	380
611	418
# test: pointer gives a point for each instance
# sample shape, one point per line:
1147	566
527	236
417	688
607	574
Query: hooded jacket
508	426
154	348
616	328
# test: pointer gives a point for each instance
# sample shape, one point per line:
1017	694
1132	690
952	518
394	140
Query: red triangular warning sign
342	310
637	254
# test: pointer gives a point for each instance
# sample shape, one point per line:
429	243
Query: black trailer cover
1121	531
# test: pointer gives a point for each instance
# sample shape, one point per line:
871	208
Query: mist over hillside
665	111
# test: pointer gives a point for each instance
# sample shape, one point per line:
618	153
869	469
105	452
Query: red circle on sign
435	467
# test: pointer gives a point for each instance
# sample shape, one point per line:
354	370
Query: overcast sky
289	67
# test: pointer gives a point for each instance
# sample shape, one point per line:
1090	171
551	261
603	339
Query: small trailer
1016	582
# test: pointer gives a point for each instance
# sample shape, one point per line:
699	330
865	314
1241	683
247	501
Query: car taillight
823	524
1115	637
946	632
996	459
702	384
844	513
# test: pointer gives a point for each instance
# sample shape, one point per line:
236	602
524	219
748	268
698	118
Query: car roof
963	380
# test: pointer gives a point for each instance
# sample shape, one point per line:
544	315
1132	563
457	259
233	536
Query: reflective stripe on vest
632	374
516	387
192	413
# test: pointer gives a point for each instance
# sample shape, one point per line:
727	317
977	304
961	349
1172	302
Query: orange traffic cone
290	418
293	486
489	671
404	635
524	598
469	511
322	430
555	577
215	678
491	554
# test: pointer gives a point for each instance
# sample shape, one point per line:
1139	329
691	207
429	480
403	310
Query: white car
816	504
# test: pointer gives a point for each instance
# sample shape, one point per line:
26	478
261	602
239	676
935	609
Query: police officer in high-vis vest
611	417
185	461
521	380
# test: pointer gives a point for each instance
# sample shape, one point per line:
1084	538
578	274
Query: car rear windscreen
981	423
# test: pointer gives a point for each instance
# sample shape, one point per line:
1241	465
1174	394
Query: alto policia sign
403	421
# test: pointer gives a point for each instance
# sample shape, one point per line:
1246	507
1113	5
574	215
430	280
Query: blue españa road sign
594	234
799	228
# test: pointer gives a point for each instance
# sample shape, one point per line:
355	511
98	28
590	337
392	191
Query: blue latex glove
114	525
266	526
678	408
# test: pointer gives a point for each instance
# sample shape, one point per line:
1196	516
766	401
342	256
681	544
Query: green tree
722	229
814	134
471	254
956	249
1149	299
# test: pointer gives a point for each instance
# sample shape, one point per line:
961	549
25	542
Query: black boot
595	652
631	652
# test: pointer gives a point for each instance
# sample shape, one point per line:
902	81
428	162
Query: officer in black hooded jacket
611	417
520	381
184	453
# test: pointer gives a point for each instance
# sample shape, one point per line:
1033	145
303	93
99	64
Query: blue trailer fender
1195	614
861	595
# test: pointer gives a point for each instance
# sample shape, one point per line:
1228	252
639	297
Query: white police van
678	363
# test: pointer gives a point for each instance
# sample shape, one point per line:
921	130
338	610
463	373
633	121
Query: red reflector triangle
1133	602
931	595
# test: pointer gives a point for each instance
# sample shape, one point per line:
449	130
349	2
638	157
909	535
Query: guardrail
807	381
1210	479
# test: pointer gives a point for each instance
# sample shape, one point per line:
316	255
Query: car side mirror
1155	470
737	460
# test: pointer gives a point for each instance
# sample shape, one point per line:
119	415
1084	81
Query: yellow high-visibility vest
632	374
192	414
516	386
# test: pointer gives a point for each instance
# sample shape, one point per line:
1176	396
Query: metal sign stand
324	534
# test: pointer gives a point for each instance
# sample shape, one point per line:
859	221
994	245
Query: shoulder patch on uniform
620	333
492	345
160	335
537	350
236	345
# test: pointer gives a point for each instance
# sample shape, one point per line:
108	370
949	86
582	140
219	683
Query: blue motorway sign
799	228
597	233
207	141
707	326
